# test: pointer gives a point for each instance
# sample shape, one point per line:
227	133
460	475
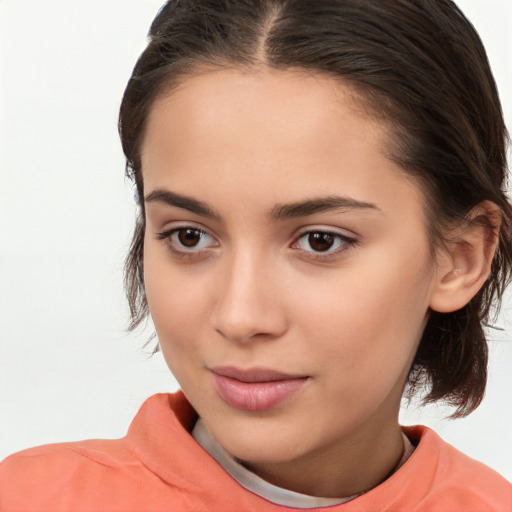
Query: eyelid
177	225
181	251
320	228
349	242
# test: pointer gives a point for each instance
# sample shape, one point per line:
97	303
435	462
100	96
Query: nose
247	305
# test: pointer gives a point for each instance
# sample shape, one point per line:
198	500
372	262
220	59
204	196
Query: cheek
176	300
177	310
373	323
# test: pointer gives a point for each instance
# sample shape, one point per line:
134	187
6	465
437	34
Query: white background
68	369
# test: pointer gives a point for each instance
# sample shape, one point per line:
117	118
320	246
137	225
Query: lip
255	389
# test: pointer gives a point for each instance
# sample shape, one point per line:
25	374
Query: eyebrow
280	212
317	205
187	203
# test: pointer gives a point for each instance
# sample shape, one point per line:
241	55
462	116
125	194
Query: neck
358	463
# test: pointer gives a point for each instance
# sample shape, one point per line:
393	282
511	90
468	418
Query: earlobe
464	264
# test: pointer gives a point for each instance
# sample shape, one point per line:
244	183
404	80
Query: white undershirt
257	485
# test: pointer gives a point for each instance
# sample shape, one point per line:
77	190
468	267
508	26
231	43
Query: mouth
256	389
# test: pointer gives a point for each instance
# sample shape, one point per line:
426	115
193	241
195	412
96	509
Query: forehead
263	107
279	134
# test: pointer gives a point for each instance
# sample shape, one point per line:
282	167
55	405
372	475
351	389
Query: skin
254	293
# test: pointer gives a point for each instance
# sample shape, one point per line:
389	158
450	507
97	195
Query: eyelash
183	253
345	243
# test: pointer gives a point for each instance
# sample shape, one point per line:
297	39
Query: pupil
189	237
321	241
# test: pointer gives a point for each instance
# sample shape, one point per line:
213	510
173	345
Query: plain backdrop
68	369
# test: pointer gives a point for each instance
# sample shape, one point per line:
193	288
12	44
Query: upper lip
254	374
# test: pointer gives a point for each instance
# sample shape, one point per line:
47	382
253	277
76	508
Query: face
286	262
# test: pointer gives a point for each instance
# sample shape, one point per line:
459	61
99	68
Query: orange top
158	466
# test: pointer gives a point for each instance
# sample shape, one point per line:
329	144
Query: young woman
323	227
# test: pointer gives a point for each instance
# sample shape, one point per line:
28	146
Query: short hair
420	66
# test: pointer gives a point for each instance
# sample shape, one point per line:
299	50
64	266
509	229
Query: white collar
257	485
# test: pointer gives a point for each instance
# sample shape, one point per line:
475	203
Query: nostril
241	333
242	325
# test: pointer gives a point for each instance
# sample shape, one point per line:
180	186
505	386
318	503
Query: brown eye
326	243
188	240
189	237
320	241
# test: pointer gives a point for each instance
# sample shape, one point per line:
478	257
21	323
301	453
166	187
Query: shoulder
49	474
100	454
457	481
437	478
87	474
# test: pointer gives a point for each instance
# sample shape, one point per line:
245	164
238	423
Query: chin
272	444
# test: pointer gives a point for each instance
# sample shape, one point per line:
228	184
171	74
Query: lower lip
256	396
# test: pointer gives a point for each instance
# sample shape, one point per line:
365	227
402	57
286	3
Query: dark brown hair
419	65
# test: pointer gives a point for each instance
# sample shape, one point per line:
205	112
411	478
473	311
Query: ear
464	264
